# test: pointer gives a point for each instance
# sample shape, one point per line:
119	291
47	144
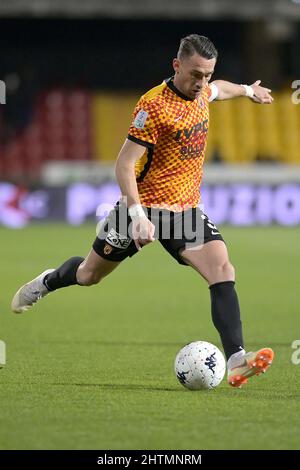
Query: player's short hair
199	44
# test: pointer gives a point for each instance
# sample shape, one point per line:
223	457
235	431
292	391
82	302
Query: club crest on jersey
107	249
117	240
140	119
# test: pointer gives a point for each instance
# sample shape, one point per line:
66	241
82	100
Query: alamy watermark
295	358
2	353
118	229
296	94
2	92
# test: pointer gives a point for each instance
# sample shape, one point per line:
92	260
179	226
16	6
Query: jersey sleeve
212	92
147	123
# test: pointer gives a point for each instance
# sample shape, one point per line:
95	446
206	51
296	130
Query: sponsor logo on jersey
117	240
140	119
194	132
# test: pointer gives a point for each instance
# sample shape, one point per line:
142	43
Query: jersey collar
170	83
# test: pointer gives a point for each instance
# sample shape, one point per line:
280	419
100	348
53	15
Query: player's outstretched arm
256	92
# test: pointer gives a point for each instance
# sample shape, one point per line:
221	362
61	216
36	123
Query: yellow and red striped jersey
173	129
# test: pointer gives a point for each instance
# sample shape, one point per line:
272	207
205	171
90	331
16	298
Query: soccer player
159	172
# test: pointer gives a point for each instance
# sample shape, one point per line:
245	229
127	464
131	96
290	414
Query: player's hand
142	231
261	95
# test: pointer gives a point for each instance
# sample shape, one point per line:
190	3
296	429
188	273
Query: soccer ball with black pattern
200	365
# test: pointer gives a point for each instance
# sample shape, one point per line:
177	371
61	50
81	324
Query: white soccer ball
200	365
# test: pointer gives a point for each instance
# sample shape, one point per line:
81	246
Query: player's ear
176	64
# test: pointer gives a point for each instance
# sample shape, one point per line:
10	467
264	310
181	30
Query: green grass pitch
92	368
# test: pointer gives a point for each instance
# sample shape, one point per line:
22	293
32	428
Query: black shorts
174	230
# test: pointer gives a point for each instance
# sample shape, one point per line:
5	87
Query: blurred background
93	368
72	72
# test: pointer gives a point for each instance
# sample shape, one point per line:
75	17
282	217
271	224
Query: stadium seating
78	125
60	130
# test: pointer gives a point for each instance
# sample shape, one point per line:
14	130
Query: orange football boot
254	363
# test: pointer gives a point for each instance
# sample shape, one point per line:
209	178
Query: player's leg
84	272
94	268
208	255
195	241
76	270
212	262
109	249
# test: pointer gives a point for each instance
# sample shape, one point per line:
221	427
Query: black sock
225	312
63	276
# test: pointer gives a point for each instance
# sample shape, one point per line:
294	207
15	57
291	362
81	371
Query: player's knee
228	269
221	272
88	278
